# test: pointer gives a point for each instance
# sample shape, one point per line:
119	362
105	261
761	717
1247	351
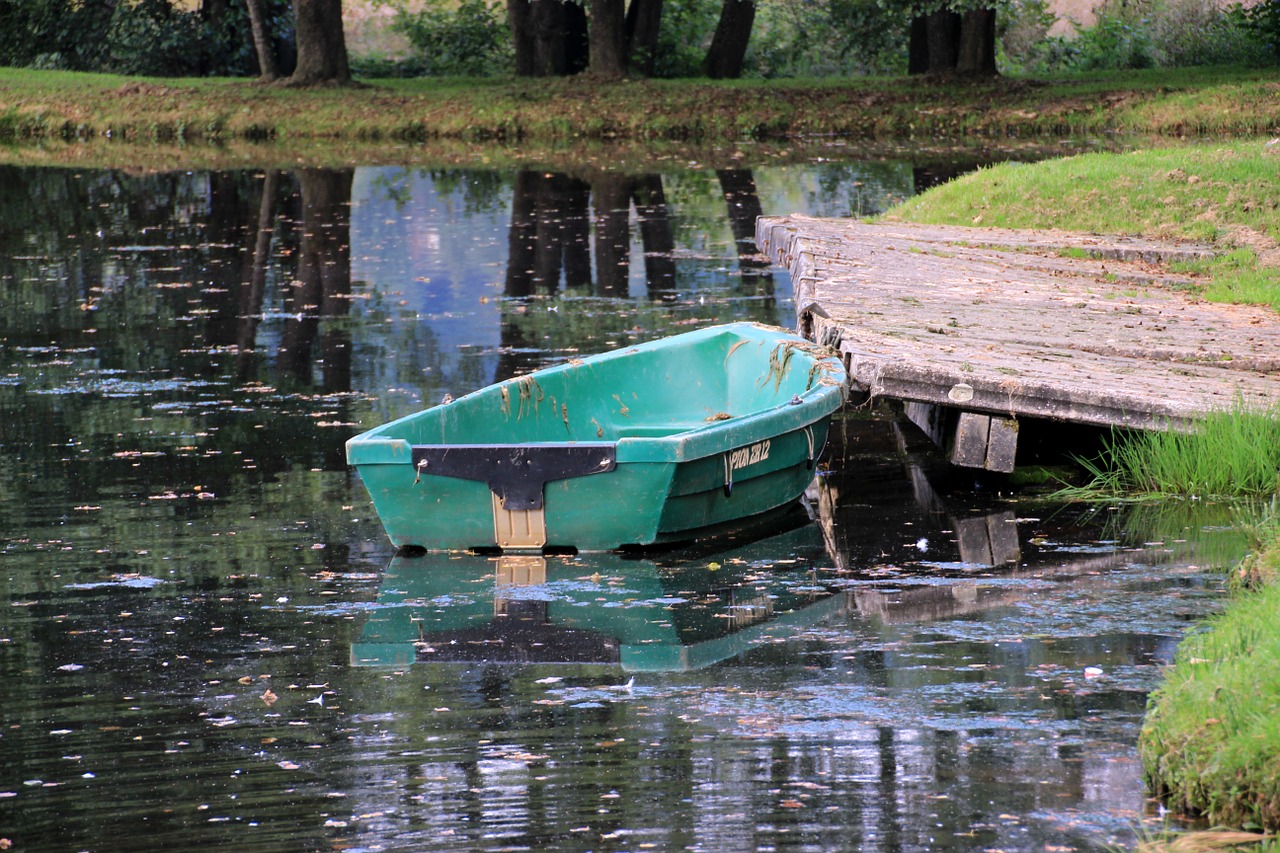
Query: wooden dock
977	328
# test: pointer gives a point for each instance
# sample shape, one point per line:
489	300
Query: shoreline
38	107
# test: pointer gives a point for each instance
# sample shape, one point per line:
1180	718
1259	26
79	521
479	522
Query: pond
206	639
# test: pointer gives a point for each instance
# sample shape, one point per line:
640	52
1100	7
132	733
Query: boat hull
647	466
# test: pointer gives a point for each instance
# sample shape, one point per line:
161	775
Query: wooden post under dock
977	328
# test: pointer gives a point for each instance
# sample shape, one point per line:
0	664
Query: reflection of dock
991	326
983	537
932	602
908	547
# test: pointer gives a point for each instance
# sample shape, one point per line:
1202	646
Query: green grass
1228	454
1197	192
1168	103
1225	194
1210	743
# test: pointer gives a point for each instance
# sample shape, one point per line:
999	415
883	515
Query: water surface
205	639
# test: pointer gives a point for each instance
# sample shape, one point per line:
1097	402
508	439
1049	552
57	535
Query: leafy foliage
51	33
1263	21
682	41
1023	28
152	37
837	38
465	38
1131	34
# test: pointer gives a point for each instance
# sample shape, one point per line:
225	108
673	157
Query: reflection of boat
648	444
599	608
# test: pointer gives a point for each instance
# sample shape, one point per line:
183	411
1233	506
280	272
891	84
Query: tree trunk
520	20
946	42
268	70
608	39
943	37
575	46
644	20
729	44
976	56
555	31
322	50
918	46
550	37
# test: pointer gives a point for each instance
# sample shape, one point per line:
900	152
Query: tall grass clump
1231	453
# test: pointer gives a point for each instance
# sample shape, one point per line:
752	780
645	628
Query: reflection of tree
223	257
611	198
129	290
927	175
888	818
323	284
549	235
553	219
743	202
255	283
655	234
552	216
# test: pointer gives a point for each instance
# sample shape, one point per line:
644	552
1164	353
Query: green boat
654	443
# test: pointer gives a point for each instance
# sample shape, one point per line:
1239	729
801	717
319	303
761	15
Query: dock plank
1086	328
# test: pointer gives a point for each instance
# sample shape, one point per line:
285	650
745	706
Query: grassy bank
1227	194
1210	744
62	105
